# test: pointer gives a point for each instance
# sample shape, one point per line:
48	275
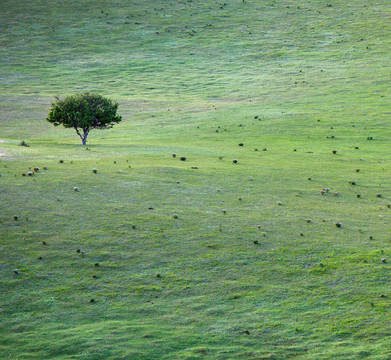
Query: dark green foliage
83	112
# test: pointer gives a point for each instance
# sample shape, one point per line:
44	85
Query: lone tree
84	112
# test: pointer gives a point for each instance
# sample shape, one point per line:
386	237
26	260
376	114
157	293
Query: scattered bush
23	143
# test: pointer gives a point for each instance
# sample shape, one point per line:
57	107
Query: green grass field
158	258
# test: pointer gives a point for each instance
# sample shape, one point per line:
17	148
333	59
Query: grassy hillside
158	258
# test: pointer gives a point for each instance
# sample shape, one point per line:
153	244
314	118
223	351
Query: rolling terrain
284	254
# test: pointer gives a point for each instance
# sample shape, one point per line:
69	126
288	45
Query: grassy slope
190	77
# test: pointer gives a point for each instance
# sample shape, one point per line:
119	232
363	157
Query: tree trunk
84	136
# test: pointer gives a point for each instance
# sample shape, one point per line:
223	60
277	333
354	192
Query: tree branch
77	132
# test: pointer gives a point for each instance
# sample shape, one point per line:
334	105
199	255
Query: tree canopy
84	112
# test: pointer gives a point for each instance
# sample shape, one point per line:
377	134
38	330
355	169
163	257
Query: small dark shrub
23	143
